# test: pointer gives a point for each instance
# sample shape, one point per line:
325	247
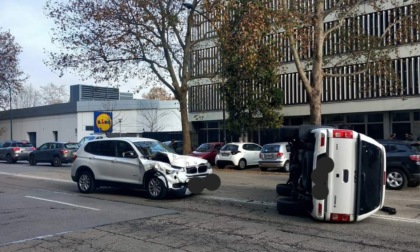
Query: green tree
309	27
11	76
120	40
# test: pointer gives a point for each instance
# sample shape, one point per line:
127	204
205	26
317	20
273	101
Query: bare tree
54	94
11	77
120	40
158	93
324	39
27	97
152	119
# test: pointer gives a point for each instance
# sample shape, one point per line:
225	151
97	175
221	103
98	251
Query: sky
26	21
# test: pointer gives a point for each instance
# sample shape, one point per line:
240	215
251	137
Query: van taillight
322	139
342	133
415	158
280	154
335	217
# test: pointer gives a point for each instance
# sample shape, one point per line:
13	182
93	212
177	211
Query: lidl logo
103	121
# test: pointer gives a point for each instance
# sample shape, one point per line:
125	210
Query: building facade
74	120
357	101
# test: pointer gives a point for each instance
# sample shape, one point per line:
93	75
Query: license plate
225	154
268	156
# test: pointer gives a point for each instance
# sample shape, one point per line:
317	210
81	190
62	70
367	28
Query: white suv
275	155
136	162
240	155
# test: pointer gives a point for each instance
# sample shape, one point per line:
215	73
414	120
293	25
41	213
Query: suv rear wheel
85	182
395	179
56	162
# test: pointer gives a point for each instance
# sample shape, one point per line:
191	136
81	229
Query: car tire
56	162
9	159
263	168
284	190
86	182
286	166
395	179
156	188
32	160
242	164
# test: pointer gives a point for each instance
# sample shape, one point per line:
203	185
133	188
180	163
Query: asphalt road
42	210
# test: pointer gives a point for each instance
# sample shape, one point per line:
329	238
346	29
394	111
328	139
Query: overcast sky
26	21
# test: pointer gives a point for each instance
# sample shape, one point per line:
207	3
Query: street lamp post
10	111
193	8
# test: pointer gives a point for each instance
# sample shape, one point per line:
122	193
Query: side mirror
130	154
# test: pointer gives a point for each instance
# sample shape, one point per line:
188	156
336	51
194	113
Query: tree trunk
315	108
186	136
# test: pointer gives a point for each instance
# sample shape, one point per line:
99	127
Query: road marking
64	203
34	238
35	177
254	202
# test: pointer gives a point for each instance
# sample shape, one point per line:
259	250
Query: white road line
64	203
34	238
35	177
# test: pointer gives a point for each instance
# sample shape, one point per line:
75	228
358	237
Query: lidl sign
103	122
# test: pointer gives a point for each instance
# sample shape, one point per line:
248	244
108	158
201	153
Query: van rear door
342	149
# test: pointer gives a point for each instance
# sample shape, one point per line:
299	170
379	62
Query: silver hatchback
274	155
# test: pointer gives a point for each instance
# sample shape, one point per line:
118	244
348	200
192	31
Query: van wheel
85	182
32	160
395	179
289	206
242	164
156	189
284	190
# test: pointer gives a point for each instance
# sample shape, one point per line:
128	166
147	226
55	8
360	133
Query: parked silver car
275	155
136	162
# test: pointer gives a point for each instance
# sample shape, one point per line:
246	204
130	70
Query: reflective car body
274	155
240	155
136	162
208	151
56	153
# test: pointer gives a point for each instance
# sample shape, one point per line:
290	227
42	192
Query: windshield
370	177
204	148
270	148
230	147
151	148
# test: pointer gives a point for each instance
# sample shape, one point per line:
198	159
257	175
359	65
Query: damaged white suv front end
140	163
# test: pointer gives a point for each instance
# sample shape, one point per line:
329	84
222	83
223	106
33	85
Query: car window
101	148
71	146
7	144
218	147
230	147
123	147
204	148
44	147
253	147
270	148
23	144
151	148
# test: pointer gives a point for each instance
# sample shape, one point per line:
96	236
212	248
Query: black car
403	164
56	153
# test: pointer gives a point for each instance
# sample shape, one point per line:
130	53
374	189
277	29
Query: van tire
284	190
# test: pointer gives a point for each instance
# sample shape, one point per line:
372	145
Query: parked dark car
56	153
208	151
12	151
403	164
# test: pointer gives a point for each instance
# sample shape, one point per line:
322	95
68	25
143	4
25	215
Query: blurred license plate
225	154
269	156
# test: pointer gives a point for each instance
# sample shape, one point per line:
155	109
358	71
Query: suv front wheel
156	189
395	179
86	183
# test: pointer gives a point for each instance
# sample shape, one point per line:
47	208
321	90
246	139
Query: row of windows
374	25
361	86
